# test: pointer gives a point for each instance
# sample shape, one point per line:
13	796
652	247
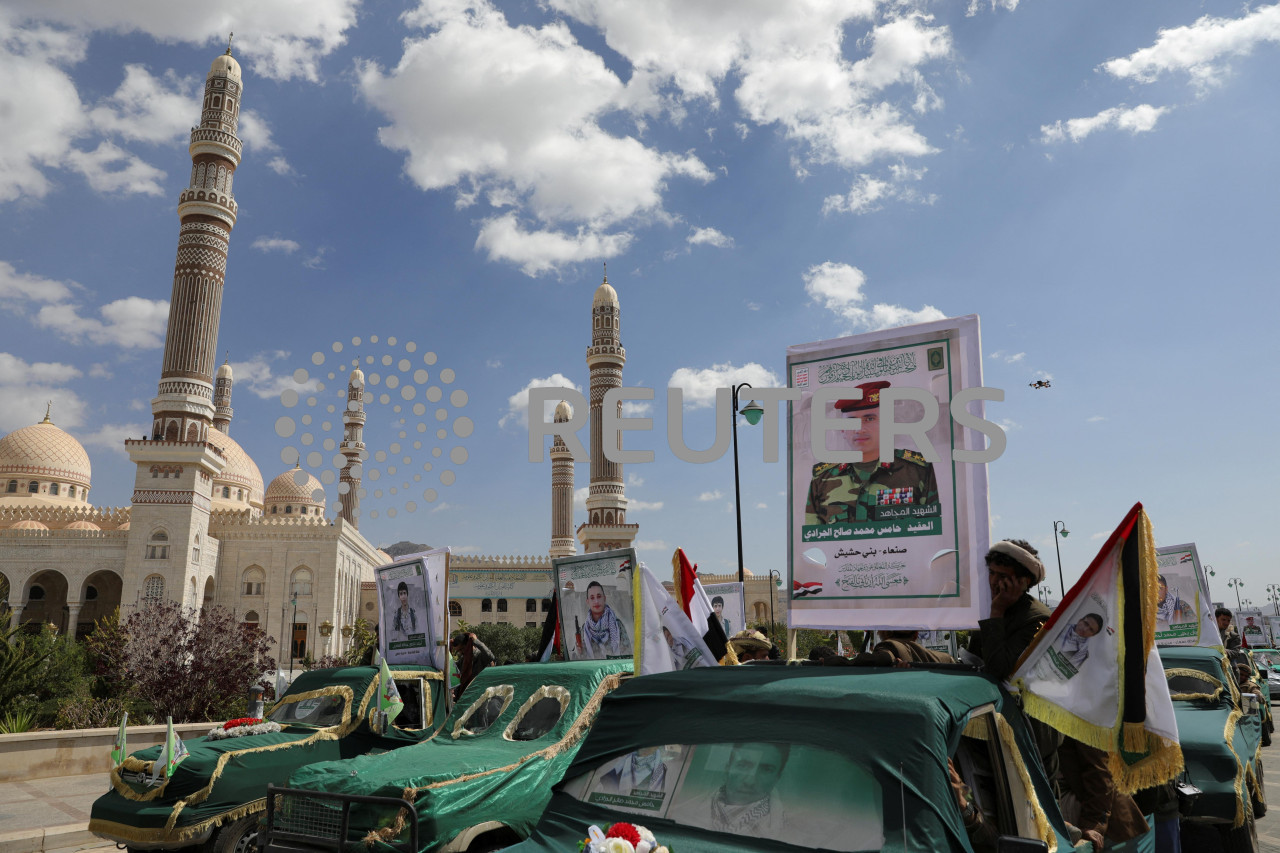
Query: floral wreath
621	838
243	726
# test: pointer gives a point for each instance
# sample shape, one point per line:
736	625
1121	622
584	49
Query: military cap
870	397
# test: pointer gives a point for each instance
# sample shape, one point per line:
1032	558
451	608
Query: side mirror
1014	844
1250	703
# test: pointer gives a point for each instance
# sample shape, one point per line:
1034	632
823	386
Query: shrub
193	666
90	713
508	642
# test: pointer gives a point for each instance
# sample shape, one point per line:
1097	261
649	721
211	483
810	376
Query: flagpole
1062	587
291	629
752	412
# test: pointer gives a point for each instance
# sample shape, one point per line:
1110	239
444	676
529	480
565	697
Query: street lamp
1062	587
776	577
1208	573
1273	595
1236	583
752	412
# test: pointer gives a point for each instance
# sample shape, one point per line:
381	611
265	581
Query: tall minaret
169	552
606	527
222	410
183	408
353	449
562	544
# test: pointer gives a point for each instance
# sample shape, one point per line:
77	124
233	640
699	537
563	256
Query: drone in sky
1040	383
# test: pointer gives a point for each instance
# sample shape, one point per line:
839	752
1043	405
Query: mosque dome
224	372
294	493
47	456
605	295
29	524
564	413
82	525
356	378
225	66
240	483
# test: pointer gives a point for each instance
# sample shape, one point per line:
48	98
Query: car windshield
1188	683
313	711
793	793
539	719
485	711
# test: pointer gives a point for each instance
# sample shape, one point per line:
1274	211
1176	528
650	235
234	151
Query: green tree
508	642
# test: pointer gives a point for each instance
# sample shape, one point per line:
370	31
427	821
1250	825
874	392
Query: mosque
203	528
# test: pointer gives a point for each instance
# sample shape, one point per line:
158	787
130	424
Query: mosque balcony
145	450
221	207
211	140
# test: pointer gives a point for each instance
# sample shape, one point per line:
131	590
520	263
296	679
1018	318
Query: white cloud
101	370
580	497
493	362
636	408
276	244
762	505
700	384
441	507
504	238
1006	424
150	109
257	376
1043	374
131	323
868	192
1095	419
976	5
1201	50
634	505
26	388
753	306
651	545
280	166
709	237
109	168
1139	119
1102	534
838	287
255	131
17	288
1007	358
112	436
711	496
316	260
518	403
634	480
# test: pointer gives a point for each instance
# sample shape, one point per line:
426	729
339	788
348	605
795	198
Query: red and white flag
697	605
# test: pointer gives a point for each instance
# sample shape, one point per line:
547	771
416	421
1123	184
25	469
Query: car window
416	713
792	793
539	713
484	711
1192	684
312	711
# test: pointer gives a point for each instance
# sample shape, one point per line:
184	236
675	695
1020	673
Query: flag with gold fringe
1093	672
666	640
121	748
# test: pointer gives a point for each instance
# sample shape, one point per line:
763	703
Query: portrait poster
1184	615
597	612
1273	630
732	606
1249	623
939	641
895	544
413	614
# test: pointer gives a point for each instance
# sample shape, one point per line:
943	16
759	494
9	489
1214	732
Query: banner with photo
729	604
413	616
939	641
1273	629
666	639
1249	622
896	544
1184	614
597	609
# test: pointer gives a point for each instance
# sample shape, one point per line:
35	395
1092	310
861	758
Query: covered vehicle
216	794
480	782
1221	736
789	758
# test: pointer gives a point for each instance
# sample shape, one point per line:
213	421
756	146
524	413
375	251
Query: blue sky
1095	180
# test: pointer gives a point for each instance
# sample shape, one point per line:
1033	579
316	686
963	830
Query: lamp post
1062	587
752	412
1273	595
1236	583
1208	573
776	577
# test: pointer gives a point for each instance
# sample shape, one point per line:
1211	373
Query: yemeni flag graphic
1093	672
696	605
550	641
666	639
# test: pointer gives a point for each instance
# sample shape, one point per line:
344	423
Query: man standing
1013	567
1230	639
855	491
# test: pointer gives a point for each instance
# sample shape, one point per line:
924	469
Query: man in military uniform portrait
853	491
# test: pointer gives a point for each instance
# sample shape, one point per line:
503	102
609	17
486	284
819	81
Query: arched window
288	509
486	606
33	487
302	510
53	488
251	617
226	492
502	605
252	580
239	494
193	433
71	492
195	550
153	588
546	605
455	608
301	584
171	431
273	509
531	605
158	546
13	486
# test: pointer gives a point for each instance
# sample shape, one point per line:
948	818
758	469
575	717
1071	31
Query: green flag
389	700
121	749
173	753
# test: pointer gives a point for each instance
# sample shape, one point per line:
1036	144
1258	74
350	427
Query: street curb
69	835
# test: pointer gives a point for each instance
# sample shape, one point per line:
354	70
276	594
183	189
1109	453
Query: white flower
618	845
662	849
643	846
646	835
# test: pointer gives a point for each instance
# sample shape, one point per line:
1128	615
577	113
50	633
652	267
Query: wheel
1245	838
240	836
1259	793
